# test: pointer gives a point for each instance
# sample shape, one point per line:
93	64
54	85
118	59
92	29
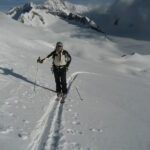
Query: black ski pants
60	79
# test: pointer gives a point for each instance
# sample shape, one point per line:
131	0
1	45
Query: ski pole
79	94
36	75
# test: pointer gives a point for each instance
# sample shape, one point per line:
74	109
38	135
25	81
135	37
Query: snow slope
114	110
125	18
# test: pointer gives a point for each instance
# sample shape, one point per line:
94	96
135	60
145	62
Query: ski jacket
62	58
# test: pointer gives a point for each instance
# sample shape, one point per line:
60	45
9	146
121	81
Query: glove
40	60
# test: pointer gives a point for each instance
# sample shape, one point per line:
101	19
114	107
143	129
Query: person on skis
61	61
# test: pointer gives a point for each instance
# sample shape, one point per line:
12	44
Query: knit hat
59	44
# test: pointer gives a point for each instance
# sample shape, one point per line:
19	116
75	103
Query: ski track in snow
47	134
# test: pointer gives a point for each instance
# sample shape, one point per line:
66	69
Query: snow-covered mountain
137	14
57	5
65	6
76	8
129	18
122	18
36	15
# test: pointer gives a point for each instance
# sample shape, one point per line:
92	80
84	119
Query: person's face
59	48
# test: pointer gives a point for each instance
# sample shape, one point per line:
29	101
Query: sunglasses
60	46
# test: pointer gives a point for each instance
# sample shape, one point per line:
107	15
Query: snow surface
113	79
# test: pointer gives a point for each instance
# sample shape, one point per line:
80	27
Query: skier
61	62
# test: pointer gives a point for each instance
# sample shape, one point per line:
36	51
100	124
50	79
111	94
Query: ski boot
59	96
63	98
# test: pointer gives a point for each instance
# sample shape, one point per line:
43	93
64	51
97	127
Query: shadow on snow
11	72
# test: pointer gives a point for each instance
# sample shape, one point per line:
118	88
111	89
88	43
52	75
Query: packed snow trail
54	136
49	124
47	133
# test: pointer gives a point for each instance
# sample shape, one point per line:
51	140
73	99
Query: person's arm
68	59
51	54
42	60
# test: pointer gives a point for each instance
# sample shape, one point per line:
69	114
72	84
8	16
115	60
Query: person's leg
63	81
57	80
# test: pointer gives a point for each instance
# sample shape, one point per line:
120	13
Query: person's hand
41	61
38	60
